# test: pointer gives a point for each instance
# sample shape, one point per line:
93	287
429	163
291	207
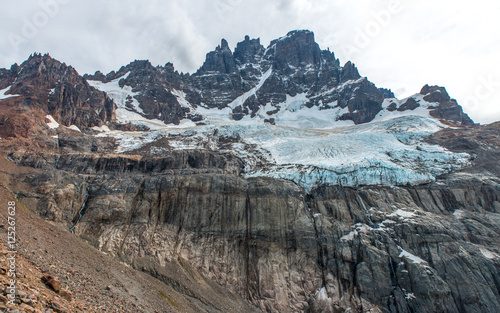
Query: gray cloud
451	44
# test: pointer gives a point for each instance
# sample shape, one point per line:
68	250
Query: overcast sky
400	44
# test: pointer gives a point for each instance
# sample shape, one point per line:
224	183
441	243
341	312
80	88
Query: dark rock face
349	72
296	49
435	94
387	93
176	163
409	104
218	80
482	142
59	90
249	51
363	100
447	109
154	85
295	64
220	61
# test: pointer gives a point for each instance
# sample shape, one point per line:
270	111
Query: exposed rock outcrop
90	280
45	83
447	108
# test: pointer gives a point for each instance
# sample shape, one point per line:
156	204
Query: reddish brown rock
52	282
66	294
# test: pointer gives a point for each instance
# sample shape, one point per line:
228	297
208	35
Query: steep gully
80	212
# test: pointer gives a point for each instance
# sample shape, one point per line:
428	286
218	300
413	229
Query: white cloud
452	44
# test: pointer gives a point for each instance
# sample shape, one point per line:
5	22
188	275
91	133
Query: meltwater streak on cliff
80	214
368	215
57	162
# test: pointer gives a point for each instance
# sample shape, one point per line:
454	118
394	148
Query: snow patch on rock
358	229
322	294
487	253
241	99
124	97
181	98
74	127
102	128
125	116
459	214
407	255
402	213
3	94
52	122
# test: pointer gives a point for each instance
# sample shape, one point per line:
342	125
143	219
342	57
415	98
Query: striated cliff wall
430	248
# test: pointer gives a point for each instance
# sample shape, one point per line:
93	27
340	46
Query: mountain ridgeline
254	77
250	80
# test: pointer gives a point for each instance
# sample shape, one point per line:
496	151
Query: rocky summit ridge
273	179
253	79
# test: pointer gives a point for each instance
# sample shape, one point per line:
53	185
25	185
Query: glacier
387	152
307	145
